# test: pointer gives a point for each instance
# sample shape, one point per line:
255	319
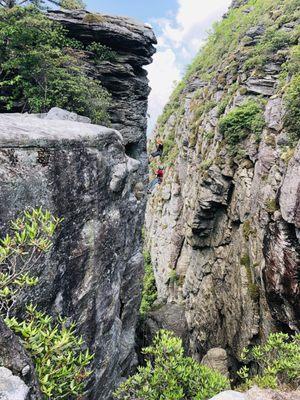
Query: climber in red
157	180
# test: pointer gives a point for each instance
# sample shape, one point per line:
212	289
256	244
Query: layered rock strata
124	76
223	227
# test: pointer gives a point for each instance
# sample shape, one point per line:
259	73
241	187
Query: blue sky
142	10
181	27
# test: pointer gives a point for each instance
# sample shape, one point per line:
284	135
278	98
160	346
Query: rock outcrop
257	394
225	220
80	172
124	77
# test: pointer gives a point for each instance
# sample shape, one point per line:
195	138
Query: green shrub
91	18
278	360
271	206
205	164
253	288
30	239
168	374
240	122
173	277
44	4
57	353
149	293
72	4
292	102
40	70
102	52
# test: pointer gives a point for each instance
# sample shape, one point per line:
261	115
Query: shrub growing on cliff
41	69
56	351
292	101
240	122
278	360
60	362
149	294
20	250
168	374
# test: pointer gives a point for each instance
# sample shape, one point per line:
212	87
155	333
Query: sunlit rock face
80	172
227	225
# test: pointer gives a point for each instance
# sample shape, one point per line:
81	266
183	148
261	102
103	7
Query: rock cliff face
124	77
223	227
80	172
94	178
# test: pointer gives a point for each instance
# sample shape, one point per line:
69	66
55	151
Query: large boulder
257	394
93	274
217	360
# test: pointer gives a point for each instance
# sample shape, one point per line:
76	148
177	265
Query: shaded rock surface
225	225
17	374
93	274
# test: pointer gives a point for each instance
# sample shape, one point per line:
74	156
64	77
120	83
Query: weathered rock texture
124	77
228	226
16	368
11	387
257	394
80	172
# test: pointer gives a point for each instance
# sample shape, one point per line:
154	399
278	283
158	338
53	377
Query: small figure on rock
159	148
157	180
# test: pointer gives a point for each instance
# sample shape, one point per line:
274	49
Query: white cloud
162	75
179	40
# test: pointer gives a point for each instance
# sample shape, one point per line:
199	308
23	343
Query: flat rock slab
24	130
230	395
257	394
11	387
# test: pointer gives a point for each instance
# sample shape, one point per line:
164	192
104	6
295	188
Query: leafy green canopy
68	4
278	360
56	351
42	68
169	375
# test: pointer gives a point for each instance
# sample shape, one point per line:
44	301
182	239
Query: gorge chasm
222	230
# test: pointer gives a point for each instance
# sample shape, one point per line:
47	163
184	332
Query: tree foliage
57	353
41	68
44	4
169	375
20	250
278	360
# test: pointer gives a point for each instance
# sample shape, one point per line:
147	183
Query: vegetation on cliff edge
42	68
58	353
169	374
